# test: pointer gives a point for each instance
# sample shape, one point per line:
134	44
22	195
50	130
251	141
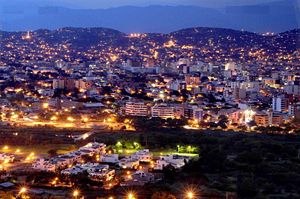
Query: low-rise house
139	178
96	171
142	155
133	160
174	160
66	160
129	163
109	158
6	158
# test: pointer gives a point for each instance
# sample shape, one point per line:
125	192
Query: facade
136	109
109	158
163	111
174	160
63	161
279	104
261	119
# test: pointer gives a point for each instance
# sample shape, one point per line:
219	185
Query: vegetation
250	165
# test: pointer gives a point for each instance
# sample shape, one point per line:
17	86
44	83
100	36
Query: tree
169	172
140	123
247	189
52	153
223	121
162	195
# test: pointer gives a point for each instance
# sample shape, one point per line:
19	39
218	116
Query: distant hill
84	38
276	16
88	44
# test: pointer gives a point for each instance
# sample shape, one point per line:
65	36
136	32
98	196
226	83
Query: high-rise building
279	104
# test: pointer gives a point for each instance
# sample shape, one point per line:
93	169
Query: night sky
116	3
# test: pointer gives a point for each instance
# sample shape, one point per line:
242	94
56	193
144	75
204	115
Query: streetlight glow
76	193
190	195
23	190
131	195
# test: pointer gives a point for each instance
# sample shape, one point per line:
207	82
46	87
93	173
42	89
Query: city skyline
149	102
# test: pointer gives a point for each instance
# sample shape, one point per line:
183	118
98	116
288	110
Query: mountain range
267	17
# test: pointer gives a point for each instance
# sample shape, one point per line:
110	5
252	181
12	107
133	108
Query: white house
129	163
6	158
109	158
63	161
95	171
173	160
142	156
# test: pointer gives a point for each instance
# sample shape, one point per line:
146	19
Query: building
139	178
162	111
197	113
277	119
128	163
142	155
134	160
63	161
174	160
262	119
96	171
58	84
136	109
6	158
109	158
192	81
239	94
279	104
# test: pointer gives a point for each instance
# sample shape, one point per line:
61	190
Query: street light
45	105
76	193
131	195
23	190
190	195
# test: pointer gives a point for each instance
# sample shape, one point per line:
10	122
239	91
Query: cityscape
199	112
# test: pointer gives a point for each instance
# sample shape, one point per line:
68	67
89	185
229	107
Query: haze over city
150	16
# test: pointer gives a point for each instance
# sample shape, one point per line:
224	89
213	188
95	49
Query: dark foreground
230	164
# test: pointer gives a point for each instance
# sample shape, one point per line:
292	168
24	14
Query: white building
6	158
128	163
279	104
66	160
133	160
142	156
136	109
163	111
174	160
109	158
95	171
